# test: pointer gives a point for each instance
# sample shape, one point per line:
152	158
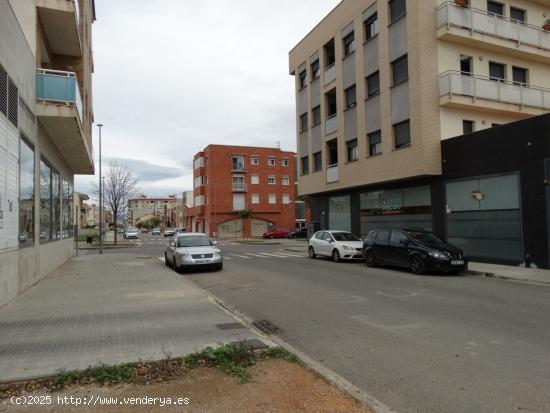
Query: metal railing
332	173
60	87
480	21
498	90
238	187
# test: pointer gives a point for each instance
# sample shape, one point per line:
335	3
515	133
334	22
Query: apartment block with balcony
380	84
144	208
46	115
231	179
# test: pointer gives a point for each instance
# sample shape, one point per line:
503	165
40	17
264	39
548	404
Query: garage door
258	227
231	229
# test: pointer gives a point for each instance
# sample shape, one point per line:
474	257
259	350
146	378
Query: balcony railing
331	124
238	187
483	87
332	173
330	74
480	21
59	87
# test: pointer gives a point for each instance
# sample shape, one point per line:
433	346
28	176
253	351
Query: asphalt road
417	343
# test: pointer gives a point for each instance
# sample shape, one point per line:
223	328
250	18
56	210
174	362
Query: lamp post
99	126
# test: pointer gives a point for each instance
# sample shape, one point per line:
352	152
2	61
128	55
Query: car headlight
348	248
217	255
438	255
185	256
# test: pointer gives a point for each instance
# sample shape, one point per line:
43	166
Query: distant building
144	208
80	209
230	179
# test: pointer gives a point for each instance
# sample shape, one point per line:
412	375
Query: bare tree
120	186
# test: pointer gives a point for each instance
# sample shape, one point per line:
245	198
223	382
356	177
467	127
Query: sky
173	76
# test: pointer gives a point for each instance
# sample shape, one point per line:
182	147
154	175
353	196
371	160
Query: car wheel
369	260
219	266
166	260
417	265
335	255
312	254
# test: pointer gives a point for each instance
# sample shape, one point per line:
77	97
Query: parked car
276	233
418	250
155	231
144	230
340	245
192	249
131	233
179	230
168	232
299	233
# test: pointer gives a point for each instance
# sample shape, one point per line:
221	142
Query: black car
418	250
299	233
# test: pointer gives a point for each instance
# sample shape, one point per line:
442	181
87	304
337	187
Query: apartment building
380	84
144	208
46	116
231	179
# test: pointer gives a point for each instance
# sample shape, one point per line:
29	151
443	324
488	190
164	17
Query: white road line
291	255
241	256
273	255
255	255
225	257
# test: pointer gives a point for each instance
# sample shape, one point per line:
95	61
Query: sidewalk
110	309
505	272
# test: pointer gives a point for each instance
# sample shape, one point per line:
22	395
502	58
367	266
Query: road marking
241	256
273	255
161	259
255	255
227	258
291	255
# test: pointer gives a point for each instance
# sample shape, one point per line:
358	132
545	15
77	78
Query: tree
120	186
245	214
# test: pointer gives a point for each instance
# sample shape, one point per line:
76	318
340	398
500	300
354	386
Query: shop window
26	194
46	205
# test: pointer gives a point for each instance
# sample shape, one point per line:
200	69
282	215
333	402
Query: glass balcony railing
483	87
59	87
480	21
332	173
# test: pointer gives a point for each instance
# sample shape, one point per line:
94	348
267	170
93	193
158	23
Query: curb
505	277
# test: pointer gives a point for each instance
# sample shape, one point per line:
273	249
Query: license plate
457	262
202	261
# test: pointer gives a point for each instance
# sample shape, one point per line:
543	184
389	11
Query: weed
122	373
279	353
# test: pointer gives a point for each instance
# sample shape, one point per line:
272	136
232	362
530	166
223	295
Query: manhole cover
266	327
230	326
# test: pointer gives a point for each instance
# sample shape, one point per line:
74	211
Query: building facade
144	208
46	115
381	83
232	179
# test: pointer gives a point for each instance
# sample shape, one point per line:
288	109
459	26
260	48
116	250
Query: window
466	63
271	161
316	115
46	211
468	126
237	163
315	70
351	147
349	44
238	202
518	15
497	71
286	199
238	183
320	235
351	99
330	55
272	180
285	180
383	237
332	152
305	165
303	79
272	199
303	122
255	198
519	75
255	179
495	8
375	143
373	84
397	237
317	161
284	162
255	160
330	98
371	26
398	9
67	212
400	70
26	194
402	134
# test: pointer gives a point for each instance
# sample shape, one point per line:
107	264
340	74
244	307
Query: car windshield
194	241
426	238
344	236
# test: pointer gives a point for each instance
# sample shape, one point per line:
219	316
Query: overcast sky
172	76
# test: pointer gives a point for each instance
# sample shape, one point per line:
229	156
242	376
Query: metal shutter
3	91
13	103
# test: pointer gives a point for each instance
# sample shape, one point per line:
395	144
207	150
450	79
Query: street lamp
99	126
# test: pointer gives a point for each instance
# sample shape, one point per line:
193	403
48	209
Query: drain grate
230	326
266	327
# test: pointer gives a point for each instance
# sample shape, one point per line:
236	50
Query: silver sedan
186	250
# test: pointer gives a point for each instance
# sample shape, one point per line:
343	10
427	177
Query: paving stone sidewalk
108	309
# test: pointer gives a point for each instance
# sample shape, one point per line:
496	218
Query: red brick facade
219	216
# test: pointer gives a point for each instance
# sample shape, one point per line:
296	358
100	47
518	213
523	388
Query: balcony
463	90
332	173
330	74
331	124
473	26
59	109
238	168
60	20
238	187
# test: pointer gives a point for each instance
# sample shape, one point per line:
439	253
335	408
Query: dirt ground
275	386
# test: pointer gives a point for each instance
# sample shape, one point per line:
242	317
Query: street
417	343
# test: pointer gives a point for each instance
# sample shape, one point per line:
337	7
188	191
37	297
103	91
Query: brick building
229	179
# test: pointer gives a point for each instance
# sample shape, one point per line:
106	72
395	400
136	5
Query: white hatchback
340	245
